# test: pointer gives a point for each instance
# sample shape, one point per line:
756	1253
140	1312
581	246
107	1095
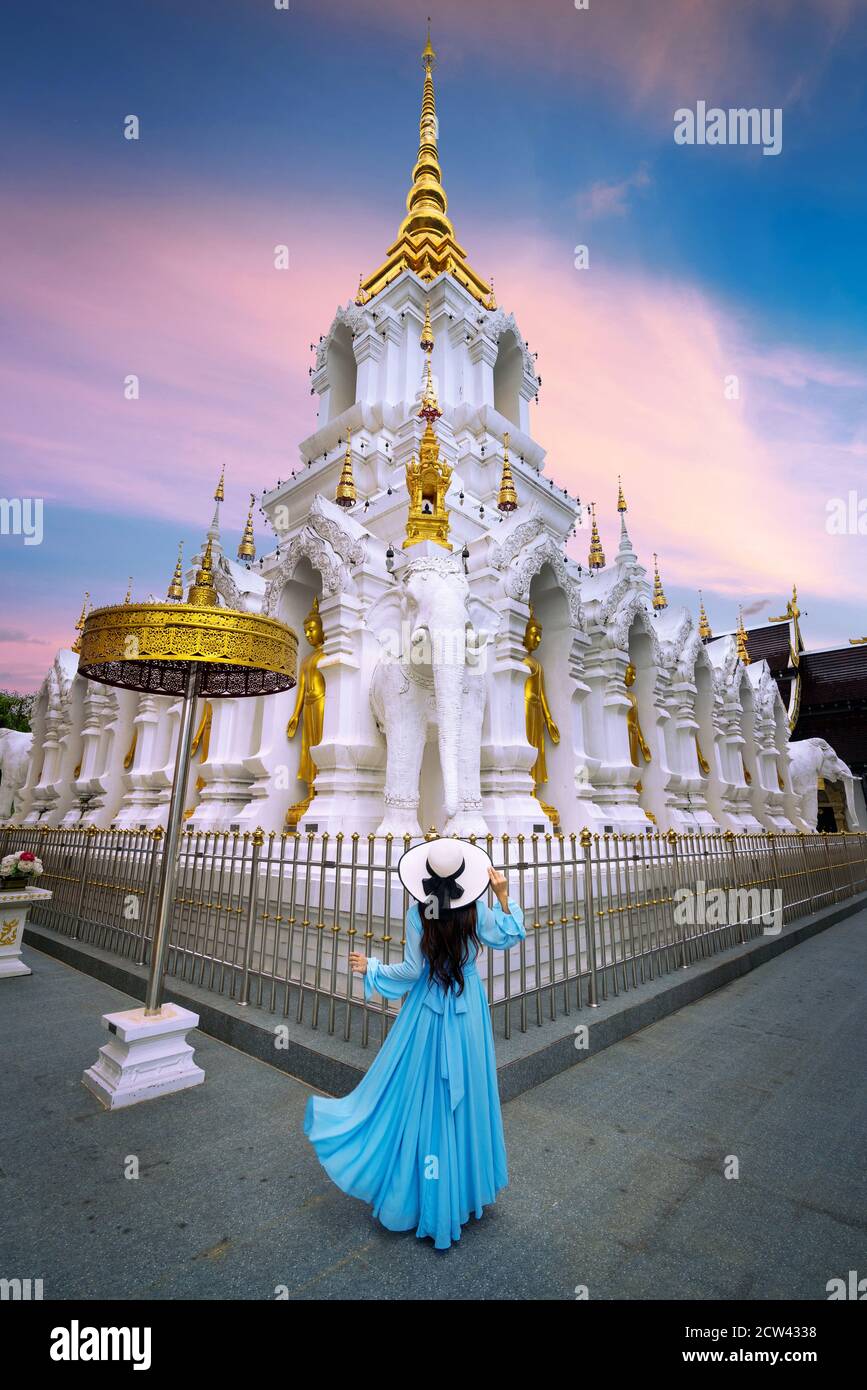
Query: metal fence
270	920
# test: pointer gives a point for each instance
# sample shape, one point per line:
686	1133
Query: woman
421	1137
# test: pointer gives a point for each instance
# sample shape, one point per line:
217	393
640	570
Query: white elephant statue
810	759
15	749
431	673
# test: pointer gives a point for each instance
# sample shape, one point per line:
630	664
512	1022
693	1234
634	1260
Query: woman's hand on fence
357	963
498	883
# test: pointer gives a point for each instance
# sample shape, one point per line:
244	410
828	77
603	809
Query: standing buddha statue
540	720
309	710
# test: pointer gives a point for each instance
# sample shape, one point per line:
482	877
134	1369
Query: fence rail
270	920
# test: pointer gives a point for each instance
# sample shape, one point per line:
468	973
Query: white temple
460	671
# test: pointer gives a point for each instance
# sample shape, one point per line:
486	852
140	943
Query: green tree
16	710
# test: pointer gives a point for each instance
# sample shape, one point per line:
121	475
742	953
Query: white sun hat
452	871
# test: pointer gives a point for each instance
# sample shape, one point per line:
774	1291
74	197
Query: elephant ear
484	618
385	616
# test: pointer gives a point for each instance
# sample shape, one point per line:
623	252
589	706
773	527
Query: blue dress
421	1136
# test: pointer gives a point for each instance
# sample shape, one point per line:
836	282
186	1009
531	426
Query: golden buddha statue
309	710
540	720
637	741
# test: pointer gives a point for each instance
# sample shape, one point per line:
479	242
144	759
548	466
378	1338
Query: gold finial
426	342
247	548
430	407
202	593
704	630
741	636
176	588
659	599
219	495
491	301
596	559
426	241
346	495
621	500
79	626
507	497
853	642
128	591
361	297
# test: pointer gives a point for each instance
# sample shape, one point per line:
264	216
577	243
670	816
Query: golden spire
596	559
202	593
346	495
426	341
426	240
176	588
741	636
247	548
491	301
219	495
659	599
507	497
79	626
128	590
361	296
430	406
704	630
621	500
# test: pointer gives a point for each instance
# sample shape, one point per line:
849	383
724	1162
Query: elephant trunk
448	694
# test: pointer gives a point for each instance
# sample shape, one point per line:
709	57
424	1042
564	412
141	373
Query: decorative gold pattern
741	636
596	558
8	931
659	599
704	630
247	548
426	241
79	626
346	494
176	588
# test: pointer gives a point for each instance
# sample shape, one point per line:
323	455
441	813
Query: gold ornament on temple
79	626
346	495
247	548
659	599
747	774
426	341
201	593
507	497
621	500
219	495
741	637
309	711
703	764
704	630
596	558
176	588
637	742
426	241
857	641
539	719
427	479
130	752
128	591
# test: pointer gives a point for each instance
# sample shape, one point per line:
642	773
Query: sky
712	353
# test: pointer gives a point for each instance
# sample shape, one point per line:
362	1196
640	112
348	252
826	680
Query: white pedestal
14	907
145	1057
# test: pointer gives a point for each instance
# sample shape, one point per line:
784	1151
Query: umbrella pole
169	866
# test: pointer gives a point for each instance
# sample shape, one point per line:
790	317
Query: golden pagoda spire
176	588
202	593
426	341
659	599
621	500
247	548
219	495
79	626
741	636
596	559
128	591
346	495
704	630
507	497
426	241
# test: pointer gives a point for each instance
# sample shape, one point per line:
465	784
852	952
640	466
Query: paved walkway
616	1166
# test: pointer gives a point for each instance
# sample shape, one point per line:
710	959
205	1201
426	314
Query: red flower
26	856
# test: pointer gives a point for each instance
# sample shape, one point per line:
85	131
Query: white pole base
145	1057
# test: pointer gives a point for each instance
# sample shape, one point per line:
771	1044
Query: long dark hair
446	941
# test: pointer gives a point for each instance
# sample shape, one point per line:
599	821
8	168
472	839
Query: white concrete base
14	907
146	1057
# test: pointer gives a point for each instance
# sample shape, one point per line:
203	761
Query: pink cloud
603	199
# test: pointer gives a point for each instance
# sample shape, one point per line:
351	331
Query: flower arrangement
19	869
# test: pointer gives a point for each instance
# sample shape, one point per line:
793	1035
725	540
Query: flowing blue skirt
421	1136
